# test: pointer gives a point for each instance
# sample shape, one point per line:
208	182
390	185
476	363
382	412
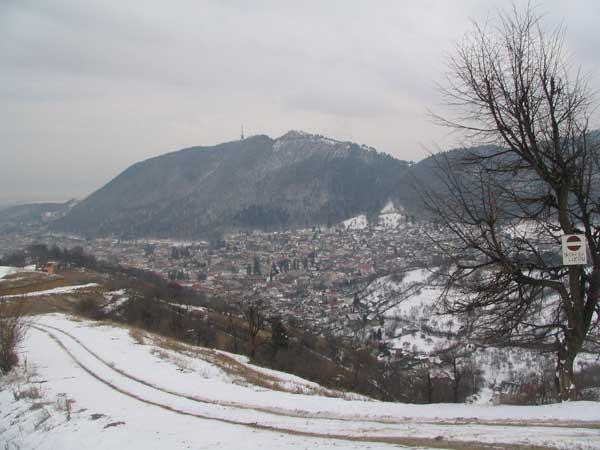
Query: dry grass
48	304
183	365
56	303
137	335
30	282
26	282
32	392
241	373
66	303
173	345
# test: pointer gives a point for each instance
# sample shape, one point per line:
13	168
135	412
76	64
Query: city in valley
299	225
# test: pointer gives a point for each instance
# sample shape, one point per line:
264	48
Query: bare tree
13	326
507	204
254	312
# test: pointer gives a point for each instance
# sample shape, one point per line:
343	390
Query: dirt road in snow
438	433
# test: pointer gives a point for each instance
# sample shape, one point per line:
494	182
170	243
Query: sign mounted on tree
574	249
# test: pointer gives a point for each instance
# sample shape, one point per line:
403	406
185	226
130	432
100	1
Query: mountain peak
295	134
300	137
295	140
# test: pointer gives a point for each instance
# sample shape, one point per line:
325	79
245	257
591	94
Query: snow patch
54	291
114	300
6	270
389	208
356	223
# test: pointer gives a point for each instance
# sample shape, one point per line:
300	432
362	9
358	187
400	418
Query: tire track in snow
255	425
274	411
385	439
332	417
268	410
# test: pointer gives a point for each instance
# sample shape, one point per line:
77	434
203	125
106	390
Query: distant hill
428	174
296	180
30	217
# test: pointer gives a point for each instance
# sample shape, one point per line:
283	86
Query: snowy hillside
389	217
6	270
54	291
85	385
414	325
356	223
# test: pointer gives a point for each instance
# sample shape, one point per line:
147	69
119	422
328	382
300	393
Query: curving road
383	431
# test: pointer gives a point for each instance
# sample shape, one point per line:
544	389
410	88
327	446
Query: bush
588	376
89	307
590	394
12	331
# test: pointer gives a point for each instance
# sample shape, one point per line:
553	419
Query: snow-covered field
6	270
9	270
101	386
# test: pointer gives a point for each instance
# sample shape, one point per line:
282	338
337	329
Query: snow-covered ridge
298	134
54	291
307	144
319	140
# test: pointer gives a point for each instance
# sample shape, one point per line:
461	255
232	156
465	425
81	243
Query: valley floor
84	385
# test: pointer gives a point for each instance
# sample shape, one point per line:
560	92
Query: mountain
298	179
428	174
32	217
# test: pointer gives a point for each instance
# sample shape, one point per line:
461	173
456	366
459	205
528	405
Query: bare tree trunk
457	376
255	316
429	388
565	375
252	347
235	341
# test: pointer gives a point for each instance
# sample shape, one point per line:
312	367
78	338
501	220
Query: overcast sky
88	87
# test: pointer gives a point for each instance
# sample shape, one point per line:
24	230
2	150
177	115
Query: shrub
89	307
13	327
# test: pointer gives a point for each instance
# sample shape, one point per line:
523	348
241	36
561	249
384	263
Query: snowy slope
409	324
6	270
389	217
53	291
356	223
124	394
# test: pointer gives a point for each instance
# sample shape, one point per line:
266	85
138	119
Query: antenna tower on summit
242	135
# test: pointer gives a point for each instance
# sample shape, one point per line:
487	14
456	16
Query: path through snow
110	373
